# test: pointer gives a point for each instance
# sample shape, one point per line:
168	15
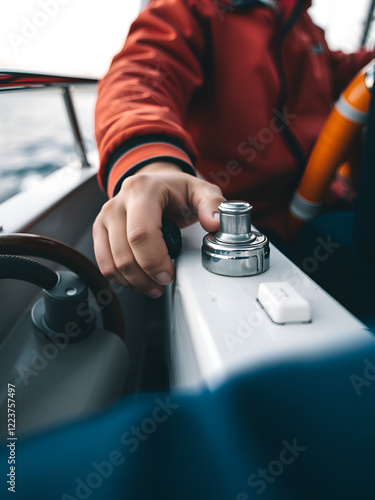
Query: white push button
283	304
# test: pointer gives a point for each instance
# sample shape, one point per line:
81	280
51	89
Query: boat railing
46	196
16	81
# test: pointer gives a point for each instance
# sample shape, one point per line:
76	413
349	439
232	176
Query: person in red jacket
234	90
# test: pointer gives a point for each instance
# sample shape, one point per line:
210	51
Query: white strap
350	112
303	209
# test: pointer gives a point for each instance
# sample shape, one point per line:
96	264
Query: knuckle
141	184
125	264
108	270
97	224
133	182
216	191
150	266
218	201
106	210
128	183
138	236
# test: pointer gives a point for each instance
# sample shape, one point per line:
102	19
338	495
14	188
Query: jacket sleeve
142	100
346	66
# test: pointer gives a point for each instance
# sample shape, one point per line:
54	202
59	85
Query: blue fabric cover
297	431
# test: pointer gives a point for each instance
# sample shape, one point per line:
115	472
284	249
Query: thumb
205	200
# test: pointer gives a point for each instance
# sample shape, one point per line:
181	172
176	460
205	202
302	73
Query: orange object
342	126
344	170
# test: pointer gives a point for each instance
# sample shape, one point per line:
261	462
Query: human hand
128	242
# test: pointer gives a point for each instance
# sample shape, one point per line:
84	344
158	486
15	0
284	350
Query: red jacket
240	92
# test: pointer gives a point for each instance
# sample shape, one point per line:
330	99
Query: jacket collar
249	3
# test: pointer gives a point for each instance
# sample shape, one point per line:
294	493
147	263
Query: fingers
146	241
127	260
205	199
115	258
128	240
104	257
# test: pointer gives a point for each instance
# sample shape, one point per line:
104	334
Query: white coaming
218	328
24	208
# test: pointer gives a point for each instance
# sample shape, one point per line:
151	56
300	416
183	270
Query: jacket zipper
289	138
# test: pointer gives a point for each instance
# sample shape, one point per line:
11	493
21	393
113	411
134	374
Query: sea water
35	135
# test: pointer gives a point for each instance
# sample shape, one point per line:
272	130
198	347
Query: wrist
158	166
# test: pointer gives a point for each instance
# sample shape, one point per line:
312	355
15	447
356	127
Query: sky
76	37
80	37
343	21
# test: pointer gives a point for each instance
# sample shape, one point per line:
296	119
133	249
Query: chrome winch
236	250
